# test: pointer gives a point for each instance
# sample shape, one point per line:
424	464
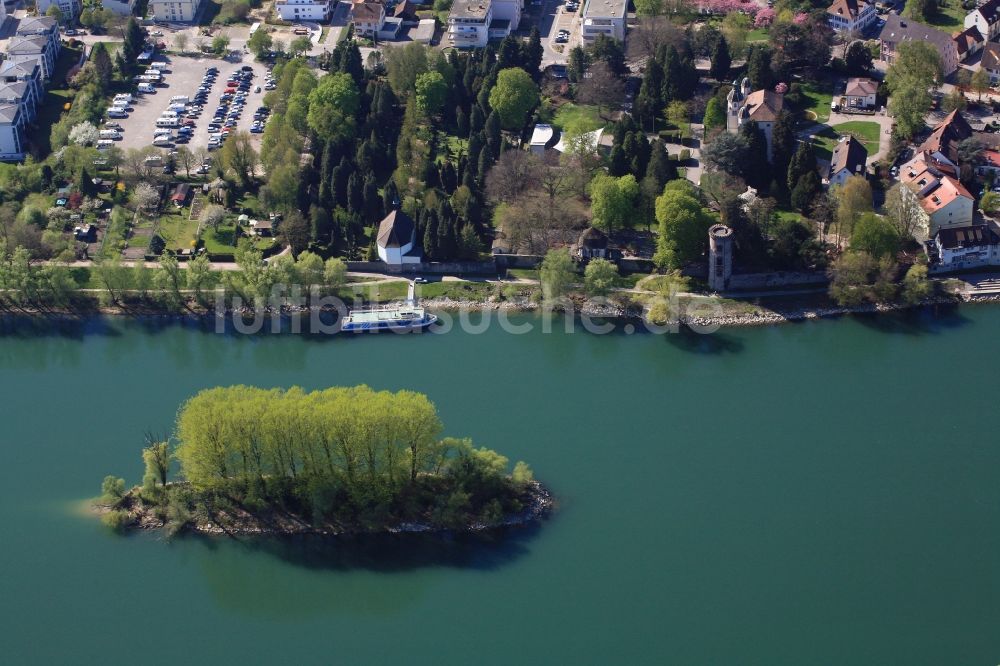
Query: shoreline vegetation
732	313
340	461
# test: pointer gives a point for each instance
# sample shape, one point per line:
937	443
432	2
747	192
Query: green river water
822	493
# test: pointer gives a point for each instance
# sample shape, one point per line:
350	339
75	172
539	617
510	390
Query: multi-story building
851	16
368	17
469	23
29	71
986	18
943	200
304	10
898	30
120	7
175	11
604	17
473	23
38	47
762	107
12	126
31	57
70	8
506	17
965	247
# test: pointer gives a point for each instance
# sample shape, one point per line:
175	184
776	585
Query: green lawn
221	240
176	229
949	18
583	116
816	102
864	131
758	35
55	98
788	215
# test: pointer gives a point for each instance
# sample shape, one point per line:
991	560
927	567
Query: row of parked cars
177	123
231	105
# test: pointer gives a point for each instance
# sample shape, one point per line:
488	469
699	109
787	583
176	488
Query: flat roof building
604	17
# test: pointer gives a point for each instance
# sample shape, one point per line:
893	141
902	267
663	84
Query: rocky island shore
223	516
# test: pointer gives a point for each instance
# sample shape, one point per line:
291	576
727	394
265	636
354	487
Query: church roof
396	230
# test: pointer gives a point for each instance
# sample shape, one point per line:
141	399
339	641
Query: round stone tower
720	257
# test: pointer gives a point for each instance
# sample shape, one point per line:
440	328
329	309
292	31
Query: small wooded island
336	461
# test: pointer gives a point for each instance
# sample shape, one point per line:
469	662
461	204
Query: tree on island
340	459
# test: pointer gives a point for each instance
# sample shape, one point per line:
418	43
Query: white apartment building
70	8
39	47
304	10
176	11
604	17
12	123
469	23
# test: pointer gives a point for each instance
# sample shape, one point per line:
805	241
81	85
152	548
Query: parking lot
551	16
183	76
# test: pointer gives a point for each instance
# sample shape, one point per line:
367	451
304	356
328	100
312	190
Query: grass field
817	102
864	131
950	17
221	240
585	117
758	35
176	229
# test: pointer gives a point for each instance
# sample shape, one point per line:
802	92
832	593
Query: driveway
551	16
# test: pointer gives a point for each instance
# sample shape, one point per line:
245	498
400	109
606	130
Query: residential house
860	93
991	61
968	42
986	19
898	30
762	107
406	11
305	10
70	8
849	158
397	240
964	247
604	17
36	47
942	144
944	202
368	17
175	11
851	16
